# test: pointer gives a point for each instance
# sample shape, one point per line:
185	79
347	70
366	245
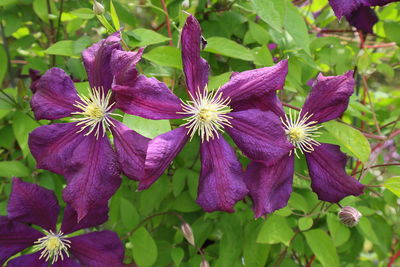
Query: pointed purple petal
329	97
270	186
221	182
31	260
364	18
55	96
98	249
96	216
30	203
160	152
329	180
194	66
123	66
345	7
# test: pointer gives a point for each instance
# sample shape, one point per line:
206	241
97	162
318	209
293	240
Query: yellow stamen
53	246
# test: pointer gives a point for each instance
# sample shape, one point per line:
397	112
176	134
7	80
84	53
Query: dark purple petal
55	96
97	59
35	76
267	102
195	68
70	261
259	134
123	66
378	2
15	237
221	182
329	97
344	7
131	149
92	173
329	180
270	186
160	152
30	203
31	260
98	249
96	216
364	18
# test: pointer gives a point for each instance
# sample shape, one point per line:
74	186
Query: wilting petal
195	68
255	83
123	66
52	145
221	182
30	203
96	216
329	97
97	59
259	134
270	186
364	18
92	174
148	98
329	180
55	96
31	260
160	152
98	249
131	149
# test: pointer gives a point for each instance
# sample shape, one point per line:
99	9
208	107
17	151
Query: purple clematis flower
32	204
80	150
328	100
207	114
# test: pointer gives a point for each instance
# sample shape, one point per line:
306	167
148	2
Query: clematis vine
80	149
32	204
328	99
208	114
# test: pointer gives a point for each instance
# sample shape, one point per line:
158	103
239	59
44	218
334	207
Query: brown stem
167	21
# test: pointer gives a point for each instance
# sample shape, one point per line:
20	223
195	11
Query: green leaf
144	248
229	48
165	56
275	230
323	247
258	33
219	80
83	13
177	255
13	168
295	25
185	203
229	251
145	37
114	16
3	63
393	184
62	48
340	233
254	254
305	223
269	11
148	128
262	56
129	215
22	126
392	29
40	8
365	228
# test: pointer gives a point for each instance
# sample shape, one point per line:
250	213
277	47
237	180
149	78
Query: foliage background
39	34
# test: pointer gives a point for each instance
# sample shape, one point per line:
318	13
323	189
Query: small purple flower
207	114
80	150
328	100
32	204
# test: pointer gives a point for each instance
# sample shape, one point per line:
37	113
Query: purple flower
32	204
208	114
328	100
80	150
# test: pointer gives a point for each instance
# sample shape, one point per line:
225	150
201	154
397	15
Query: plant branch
167	21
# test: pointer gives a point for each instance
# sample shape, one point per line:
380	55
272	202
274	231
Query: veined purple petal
160	152
344	7
329	97
363	18
194	66
221	182
30	203
329	180
96	216
98	249
70	261
259	134
270	186
31	260
55	96
92	173
123	66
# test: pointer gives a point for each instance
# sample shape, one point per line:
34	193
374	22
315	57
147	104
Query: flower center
52	246
301	132
206	114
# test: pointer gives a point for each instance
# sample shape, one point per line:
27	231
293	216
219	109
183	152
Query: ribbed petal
70	261
30	203
92	173
97	58
123	66
15	237
131	149
96	216
329	180
221	182
55	96
31	260
259	134
364	18
195	68
329	97
98	249
270	186
160	152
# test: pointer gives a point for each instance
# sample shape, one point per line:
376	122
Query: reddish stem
381	45
393	258
311	261
168	22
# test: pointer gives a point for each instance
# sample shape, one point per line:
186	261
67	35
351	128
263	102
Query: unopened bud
186	4
98	8
349	216
188	233
204	263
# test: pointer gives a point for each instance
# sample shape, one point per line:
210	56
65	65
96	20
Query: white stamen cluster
53	246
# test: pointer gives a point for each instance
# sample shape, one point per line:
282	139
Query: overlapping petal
96	216
363	18
267	102
123	66
31	260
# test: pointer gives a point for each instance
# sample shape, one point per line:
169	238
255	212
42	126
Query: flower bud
98	8
186	4
349	216
204	263
188	233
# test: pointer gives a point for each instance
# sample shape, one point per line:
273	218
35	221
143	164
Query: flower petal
96	216
259	134
70	261
195	68
98	249
30	203
270	186
329	180
221	182
123	66
364	18
131	149
160	152
329	97
344	7
92	173
31	260
55	96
